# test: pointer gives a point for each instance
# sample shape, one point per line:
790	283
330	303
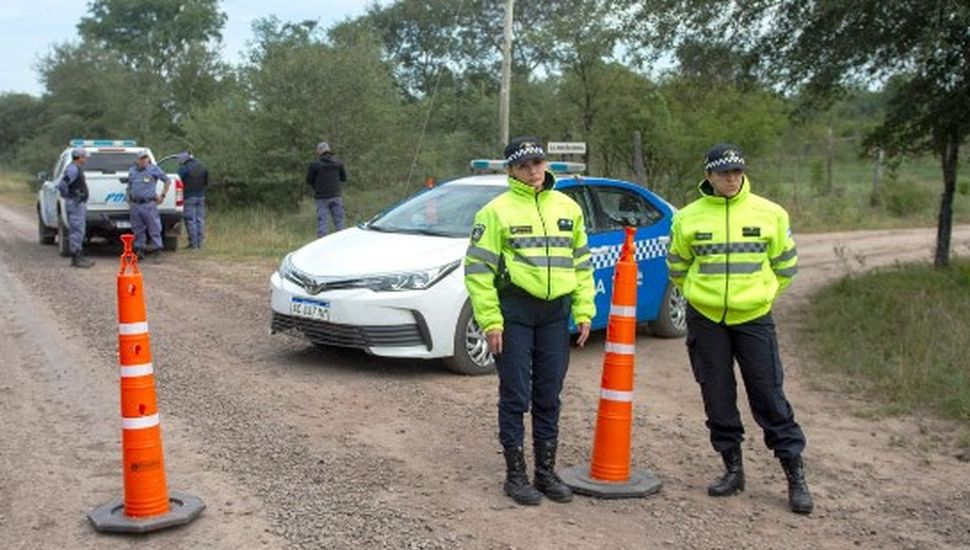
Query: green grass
902	335
17	188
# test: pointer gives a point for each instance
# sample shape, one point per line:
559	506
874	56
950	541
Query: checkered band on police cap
522	149
724	157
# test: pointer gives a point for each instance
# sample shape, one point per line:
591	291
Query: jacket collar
521	188
707	191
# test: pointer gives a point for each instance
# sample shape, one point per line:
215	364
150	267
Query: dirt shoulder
294	446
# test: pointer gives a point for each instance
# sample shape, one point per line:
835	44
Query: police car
106	173
394	286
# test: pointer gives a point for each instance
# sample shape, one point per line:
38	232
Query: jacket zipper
546	235
727	254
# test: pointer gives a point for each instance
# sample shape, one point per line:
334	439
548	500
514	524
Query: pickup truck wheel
63	237
45	234
672	322
471	349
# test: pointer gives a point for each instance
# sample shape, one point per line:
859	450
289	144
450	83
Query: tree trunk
638	169
949	156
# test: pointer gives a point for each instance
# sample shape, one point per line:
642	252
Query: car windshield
446	211
109	162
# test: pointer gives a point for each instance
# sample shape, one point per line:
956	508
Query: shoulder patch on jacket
751	231
703	236
477	231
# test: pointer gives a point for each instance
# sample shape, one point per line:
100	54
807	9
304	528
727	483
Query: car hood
355	252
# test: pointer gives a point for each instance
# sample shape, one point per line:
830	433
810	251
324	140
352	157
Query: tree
817	48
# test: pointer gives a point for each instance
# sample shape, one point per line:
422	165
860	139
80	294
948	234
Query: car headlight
289	272
419	279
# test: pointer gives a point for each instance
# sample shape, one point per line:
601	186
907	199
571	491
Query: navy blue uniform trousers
713	347
532	365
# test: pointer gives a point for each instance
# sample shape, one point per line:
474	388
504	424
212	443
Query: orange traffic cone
609	475
147	505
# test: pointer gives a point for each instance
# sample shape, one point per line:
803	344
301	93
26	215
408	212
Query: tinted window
448	211
581	196
100	161
621	207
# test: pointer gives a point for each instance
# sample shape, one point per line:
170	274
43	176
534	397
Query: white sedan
394	286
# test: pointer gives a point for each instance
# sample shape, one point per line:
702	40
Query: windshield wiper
433	232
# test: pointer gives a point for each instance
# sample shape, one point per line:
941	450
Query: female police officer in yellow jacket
527	269
732	253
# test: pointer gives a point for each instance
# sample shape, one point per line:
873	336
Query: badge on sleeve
477	231
565	224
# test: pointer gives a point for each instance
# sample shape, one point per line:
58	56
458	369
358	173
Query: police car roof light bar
556	167
79	142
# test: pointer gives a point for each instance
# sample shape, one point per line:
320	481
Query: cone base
642	483
111	518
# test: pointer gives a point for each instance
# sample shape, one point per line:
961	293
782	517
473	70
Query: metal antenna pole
503	114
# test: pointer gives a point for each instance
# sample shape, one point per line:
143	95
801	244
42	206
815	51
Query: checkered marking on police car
734	248
608	256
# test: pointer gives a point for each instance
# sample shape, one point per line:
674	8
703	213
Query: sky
29	27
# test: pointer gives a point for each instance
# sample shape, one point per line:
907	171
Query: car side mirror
42	176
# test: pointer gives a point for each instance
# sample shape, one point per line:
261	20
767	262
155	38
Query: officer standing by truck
195	177
527	269
74	189
732	253
143	199
326	175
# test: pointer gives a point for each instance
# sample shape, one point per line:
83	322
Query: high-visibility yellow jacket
731	257
535	241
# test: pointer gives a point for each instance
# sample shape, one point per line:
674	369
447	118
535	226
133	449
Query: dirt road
291	446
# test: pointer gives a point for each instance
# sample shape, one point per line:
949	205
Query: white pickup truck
106	173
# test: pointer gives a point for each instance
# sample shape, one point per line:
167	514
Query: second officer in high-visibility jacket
527	270
731	254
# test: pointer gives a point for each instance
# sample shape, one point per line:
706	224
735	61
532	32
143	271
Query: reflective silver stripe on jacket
581	251
545	261
784	256
731	268
676	259
473	269
480	253
787	272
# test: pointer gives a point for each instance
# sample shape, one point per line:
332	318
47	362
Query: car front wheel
471	348
672	322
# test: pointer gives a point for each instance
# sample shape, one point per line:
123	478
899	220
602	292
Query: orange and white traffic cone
147	504
609	475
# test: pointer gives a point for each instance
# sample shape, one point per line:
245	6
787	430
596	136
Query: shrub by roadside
901	333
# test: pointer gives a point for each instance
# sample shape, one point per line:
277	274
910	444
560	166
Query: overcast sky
29	27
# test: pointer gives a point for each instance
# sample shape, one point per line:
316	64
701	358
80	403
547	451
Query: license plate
310	309
123	224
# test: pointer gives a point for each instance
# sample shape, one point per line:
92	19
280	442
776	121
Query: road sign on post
566	148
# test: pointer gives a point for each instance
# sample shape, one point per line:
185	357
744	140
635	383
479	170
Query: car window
110	163
447	211
59	167
579	194
622	207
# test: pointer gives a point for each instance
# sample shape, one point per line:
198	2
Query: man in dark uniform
527	271
326	176
195	178
143	201
74	189
732	254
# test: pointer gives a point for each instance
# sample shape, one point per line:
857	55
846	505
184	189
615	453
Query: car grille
352	336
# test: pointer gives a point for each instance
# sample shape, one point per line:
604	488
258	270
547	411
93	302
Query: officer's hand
583	334
159	198
494	338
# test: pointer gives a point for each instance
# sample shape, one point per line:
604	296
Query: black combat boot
732	482
546	479
516	481
78	260
799	498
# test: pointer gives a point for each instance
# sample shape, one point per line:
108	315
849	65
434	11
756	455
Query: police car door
580	194
620	204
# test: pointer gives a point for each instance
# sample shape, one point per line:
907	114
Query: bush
903	197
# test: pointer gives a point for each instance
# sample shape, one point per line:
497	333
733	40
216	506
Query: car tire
170	244
471	349
672	322
45	235
63	237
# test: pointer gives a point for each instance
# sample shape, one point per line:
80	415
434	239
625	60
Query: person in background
732	254
143	199
326	176
74	189
195	177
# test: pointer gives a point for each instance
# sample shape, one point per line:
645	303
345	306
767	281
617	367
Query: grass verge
900	333
17	188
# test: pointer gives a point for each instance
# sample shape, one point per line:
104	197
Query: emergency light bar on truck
78	142
556	167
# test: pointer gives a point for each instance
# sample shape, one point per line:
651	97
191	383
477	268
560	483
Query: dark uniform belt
141	201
